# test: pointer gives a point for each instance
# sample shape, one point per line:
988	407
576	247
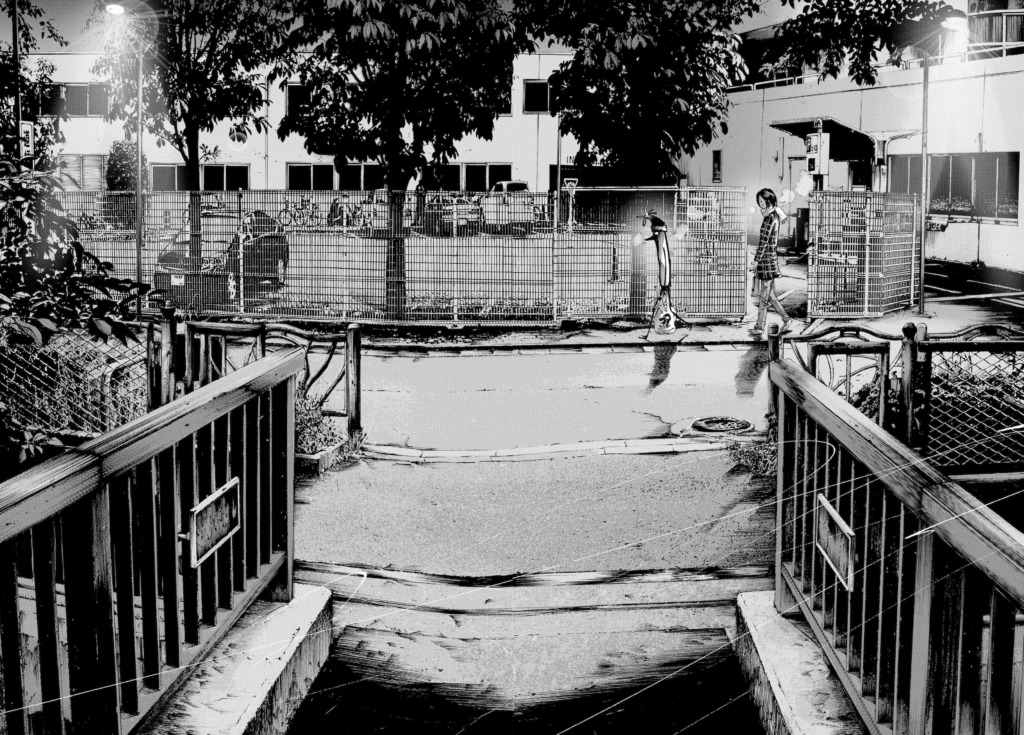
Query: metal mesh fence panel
74	384
976	400
864	257
424	256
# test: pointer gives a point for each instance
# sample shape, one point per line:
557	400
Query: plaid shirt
766	261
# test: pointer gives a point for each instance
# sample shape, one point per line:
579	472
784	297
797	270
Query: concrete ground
578	514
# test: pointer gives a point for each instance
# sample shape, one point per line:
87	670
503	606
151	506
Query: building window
81	100
306	176
716	167
361	177
536	97
297	99
83	172
214	177
969	186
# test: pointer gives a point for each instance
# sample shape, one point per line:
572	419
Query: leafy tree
122	167
830	36
647	81
206	63
400	83
34	83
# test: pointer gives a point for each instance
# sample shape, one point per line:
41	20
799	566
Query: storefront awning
846	143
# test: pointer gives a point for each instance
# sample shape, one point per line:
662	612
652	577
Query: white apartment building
975	137
524	145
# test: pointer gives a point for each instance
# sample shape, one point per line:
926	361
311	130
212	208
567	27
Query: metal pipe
16	53
139	207
925	194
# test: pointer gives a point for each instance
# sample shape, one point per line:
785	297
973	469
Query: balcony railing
122	562
995	28
909	583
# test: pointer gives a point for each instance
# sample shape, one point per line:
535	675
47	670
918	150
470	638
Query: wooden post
353	382
909	353
167	335
774	354
919	695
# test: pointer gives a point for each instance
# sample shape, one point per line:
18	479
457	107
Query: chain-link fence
973	405
865	254
74	384
425	256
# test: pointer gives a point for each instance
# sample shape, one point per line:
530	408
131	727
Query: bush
760	458
314	432
122	167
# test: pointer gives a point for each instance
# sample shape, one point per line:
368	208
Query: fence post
167	337
909	356
774	354
241	257
353	390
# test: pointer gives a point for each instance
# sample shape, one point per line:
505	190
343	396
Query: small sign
28	137
835	541
177	280
213	522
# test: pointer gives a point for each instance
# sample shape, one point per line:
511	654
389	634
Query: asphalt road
504	401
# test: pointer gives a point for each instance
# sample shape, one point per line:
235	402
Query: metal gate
864	255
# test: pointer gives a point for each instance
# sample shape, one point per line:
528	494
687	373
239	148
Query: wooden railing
149	541
213	343
909	583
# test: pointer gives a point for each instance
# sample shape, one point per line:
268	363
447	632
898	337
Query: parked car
509	207
449	215
221	276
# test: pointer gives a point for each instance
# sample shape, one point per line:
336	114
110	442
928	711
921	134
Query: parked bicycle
89	221
346	215
304	214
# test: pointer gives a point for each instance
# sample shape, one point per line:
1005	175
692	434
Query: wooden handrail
973	530
56	484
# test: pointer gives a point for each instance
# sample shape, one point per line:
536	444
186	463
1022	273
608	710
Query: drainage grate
721	424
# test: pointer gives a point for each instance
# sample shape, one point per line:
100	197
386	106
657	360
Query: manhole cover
721	424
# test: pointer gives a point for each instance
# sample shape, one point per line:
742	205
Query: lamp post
926	36
117	9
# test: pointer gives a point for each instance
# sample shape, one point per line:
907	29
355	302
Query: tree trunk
395	293
193	184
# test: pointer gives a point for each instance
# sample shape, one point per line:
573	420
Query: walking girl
766	262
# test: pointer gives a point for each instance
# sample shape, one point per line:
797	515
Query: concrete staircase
545	650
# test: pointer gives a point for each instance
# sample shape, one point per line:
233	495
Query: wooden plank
222	473
353	380
121	526
973	530
892	534
170	521
920	643
784	504
814	434
999	692
855	486
89	621
237	434
144	509
905	628
44	553
872	581
58	483
850	348
13	718
283	401
253	453
266	456
189	576
975	596
205	484
842	502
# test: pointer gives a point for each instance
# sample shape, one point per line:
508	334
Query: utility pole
16	51
925	180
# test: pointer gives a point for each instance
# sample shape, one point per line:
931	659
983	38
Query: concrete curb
673	445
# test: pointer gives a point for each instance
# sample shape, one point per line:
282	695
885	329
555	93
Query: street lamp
926	36
117	9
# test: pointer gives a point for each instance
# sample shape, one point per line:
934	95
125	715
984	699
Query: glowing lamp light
115	9
955	23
